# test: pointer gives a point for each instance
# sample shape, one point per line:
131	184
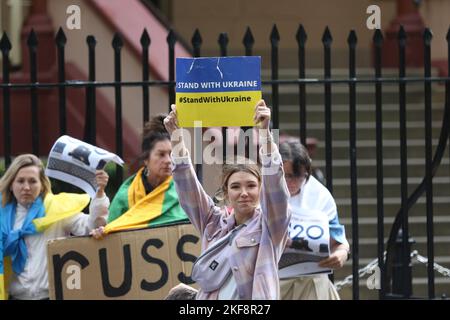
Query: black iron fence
387	268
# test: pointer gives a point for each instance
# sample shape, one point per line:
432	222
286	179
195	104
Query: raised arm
274	192
98	210
192	197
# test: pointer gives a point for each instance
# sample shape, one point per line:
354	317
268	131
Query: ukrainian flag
57	207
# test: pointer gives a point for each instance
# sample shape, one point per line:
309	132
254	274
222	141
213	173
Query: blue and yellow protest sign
218	92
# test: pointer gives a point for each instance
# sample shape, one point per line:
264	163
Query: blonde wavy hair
22	161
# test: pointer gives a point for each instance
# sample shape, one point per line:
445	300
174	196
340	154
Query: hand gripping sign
217	92
75	162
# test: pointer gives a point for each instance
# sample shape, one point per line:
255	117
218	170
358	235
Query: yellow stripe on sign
217	109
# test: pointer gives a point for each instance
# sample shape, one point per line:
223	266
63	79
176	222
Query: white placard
75	162
310	235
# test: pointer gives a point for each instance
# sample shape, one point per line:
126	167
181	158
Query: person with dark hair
311	146
241	249
30	216
310	197
148	198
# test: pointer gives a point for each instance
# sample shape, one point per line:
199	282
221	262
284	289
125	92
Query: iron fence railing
328	82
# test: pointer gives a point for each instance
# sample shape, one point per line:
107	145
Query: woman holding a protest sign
313	209
31	216
147	198
240	251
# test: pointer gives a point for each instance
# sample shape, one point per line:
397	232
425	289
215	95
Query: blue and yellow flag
57	207
217	92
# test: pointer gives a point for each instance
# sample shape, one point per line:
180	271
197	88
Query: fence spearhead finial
60	38
117	42
327	39
352	39
402	36
196	42
427	36
248	39
223	39
274	36
378	38
196	38
90	40
171	38
32	40
145	38
301	36
5	44
223	42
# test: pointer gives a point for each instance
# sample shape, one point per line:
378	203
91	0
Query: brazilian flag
132	208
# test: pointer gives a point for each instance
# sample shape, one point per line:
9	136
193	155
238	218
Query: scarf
132	208
40	216
14	240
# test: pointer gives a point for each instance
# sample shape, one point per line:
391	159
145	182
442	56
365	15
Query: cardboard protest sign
75	162
215	92
140	264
